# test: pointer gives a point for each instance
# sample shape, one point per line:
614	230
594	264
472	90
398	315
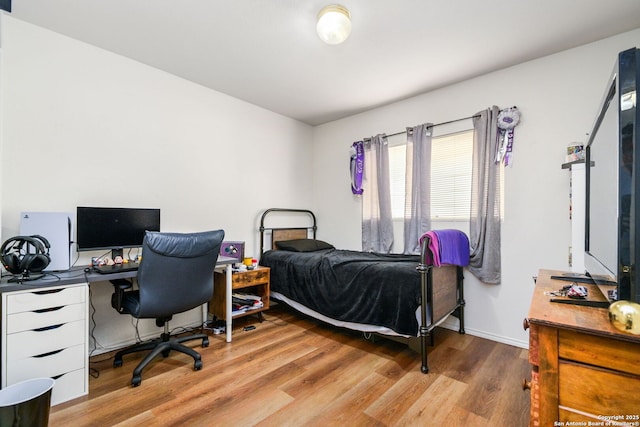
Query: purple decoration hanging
356	166
508	119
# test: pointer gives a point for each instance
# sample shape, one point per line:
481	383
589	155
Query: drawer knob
526	385
625	316
525	323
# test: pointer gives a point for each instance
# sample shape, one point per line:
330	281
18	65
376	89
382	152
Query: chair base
162	345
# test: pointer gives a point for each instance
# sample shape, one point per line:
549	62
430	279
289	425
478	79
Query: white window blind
451	157
397	155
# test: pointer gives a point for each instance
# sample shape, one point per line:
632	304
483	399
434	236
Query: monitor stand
598	295
574	277
117	253
584	302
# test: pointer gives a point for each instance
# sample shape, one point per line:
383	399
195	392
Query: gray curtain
484	231
377	225
417	204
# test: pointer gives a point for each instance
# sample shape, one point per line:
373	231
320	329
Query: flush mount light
334	24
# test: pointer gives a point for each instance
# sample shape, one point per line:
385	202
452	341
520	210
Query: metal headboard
313	228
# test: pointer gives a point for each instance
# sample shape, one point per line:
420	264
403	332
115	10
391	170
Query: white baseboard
454	325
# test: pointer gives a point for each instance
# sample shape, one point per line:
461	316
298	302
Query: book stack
241	303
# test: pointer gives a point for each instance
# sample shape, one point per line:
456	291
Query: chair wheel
165	353
197	365
205	342
135	381
117	363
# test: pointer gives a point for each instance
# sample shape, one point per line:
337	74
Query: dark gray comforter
360	287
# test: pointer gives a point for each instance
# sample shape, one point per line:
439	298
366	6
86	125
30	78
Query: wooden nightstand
254	282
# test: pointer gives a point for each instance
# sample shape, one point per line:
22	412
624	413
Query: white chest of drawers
45	334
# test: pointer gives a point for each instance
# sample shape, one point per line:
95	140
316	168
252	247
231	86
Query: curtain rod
432	126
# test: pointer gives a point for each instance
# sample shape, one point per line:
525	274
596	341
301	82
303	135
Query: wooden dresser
583	369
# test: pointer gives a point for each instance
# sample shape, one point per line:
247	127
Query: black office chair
175	275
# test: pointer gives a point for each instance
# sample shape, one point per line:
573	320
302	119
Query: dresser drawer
28	320
69	386
52	297
37	342
250	278
597	391
50	365
595	350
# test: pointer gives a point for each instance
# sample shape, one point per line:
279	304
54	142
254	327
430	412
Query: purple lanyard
356	166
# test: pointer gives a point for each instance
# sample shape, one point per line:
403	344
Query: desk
75	276
45	325
224	263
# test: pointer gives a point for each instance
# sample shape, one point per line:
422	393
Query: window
451	157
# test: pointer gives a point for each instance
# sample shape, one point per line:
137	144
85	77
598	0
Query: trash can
26	403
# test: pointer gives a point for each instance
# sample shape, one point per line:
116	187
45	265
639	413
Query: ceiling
266	52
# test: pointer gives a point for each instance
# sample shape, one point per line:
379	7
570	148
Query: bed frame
442	286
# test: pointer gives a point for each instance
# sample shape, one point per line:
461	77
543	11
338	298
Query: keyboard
116	268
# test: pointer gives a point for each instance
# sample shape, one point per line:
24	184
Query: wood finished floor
295	371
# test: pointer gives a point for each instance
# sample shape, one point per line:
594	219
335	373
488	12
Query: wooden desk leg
228	292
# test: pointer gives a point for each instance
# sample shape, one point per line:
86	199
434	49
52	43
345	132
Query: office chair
175	275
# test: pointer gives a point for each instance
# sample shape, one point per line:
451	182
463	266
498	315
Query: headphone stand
25	277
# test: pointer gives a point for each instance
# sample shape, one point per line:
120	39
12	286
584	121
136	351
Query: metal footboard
442	290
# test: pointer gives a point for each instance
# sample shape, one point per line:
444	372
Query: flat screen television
612	225
106	228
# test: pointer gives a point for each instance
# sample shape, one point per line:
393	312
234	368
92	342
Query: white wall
558	97
83	126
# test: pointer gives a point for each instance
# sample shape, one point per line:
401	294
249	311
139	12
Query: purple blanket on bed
447	247
360	287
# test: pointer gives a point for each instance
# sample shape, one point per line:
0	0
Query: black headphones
17	257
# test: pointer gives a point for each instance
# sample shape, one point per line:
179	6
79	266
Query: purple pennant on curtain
356	165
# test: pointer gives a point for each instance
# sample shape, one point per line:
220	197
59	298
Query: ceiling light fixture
334	24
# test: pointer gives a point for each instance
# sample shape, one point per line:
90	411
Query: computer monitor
100	228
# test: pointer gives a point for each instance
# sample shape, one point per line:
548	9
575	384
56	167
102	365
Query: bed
368	292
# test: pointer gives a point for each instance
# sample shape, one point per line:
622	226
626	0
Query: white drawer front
28	320
52	365
32	343
69	386
51	297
